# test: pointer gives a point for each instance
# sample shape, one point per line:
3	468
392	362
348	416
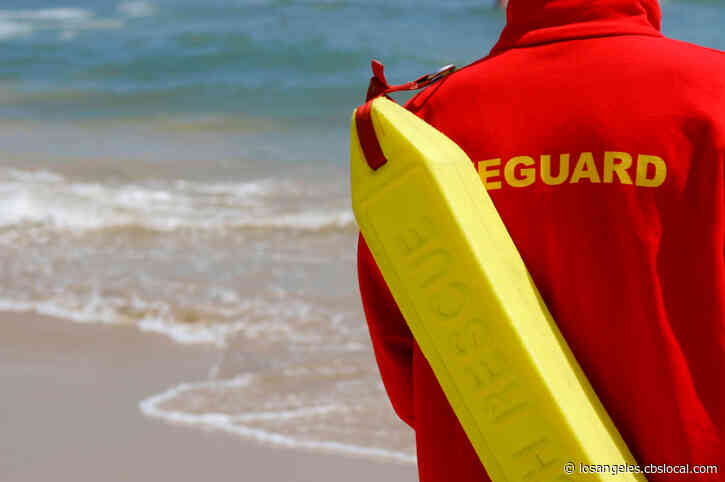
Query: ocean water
181	166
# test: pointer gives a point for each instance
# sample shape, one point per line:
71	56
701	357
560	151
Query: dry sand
69	411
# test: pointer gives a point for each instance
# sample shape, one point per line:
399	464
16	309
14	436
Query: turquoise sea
276	77
180	165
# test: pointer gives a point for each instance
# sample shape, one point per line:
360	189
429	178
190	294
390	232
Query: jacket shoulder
420	102
703	65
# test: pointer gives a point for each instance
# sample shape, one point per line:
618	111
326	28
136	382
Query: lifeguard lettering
612	167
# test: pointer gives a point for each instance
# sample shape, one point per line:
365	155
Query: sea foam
50	200
10	29
252	424
136	8
48	14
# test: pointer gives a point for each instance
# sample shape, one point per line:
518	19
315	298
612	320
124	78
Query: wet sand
69	397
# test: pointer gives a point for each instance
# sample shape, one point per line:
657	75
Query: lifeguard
610	167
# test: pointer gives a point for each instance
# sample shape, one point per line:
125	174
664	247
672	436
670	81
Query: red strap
368	140
379	86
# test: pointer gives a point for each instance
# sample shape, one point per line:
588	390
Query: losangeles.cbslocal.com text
614	469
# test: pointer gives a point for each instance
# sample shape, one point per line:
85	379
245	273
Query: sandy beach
178	287
69	412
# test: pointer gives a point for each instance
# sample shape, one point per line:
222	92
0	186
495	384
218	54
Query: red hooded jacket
601	143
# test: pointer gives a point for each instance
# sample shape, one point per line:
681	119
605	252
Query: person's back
602	144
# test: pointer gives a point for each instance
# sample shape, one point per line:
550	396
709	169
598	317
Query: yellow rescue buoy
473	308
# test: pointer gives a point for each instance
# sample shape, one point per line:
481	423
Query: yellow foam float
473	308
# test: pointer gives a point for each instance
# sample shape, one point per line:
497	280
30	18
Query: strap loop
379	86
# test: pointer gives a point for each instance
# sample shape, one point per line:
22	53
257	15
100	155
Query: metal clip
435	76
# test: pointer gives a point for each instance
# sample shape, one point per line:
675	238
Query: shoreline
71	396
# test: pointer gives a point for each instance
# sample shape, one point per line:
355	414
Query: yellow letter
585	169
529	173
449	300
643	163
546	170
486	173
620	168
431	266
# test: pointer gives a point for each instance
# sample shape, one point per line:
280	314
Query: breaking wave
49	200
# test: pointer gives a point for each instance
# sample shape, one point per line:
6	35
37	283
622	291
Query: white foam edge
190	334
58	14
136	8
210	334
48	308
94	206
224	422
9	30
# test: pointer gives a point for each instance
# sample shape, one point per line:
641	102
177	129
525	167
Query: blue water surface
294	66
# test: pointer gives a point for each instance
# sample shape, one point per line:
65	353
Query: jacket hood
533	22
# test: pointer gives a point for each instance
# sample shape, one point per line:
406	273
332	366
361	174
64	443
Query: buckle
435	76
